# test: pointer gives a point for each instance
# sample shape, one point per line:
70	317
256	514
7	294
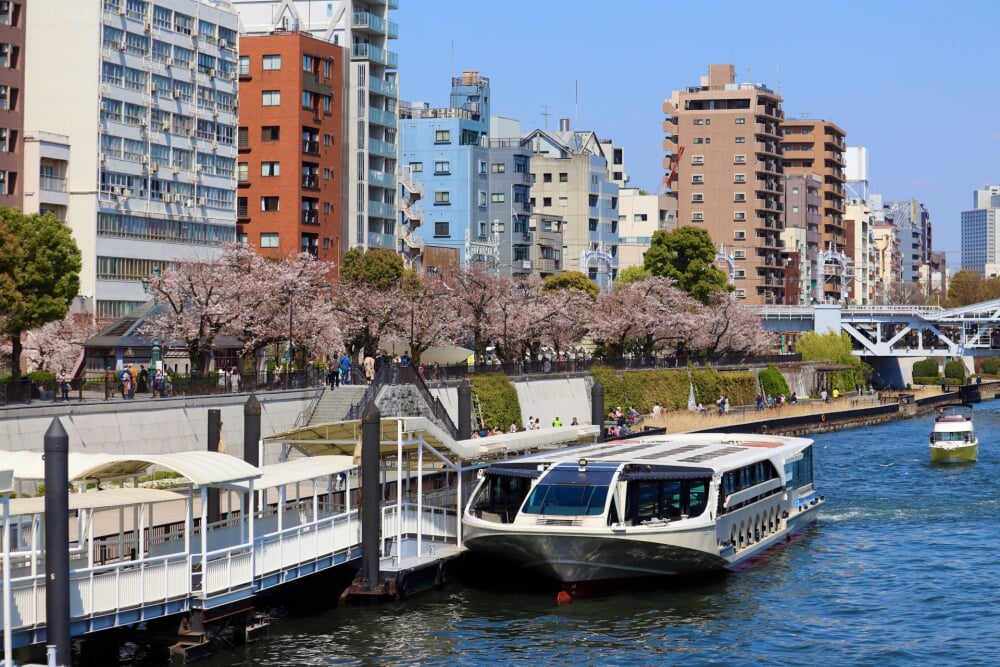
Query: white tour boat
953	439
648	506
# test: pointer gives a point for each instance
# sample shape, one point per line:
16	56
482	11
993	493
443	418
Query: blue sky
914	82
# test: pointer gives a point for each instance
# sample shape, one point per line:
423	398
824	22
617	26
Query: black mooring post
251	437
57	541
597	408
464	410
214	435
371	495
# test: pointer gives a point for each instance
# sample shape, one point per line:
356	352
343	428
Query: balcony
381	209
380	117
310	146
310	181
378	240
310	217
52	183
383	148
374	54
382	179
367	21
382	87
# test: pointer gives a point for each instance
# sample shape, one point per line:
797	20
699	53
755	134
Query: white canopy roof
202	468
96	500
300	470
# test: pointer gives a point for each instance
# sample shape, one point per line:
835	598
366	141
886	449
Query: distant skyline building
639	217
291	122
152	127
571	178
811	146
980	240
802	237
729	179
370	97
13	22
913	225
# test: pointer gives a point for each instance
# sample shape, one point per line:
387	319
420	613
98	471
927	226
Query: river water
901	569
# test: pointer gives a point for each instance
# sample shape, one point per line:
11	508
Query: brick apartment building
290	168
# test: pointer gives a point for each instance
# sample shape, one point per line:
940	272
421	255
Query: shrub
495	400
990	366
671	388
955	370
925	368
772	382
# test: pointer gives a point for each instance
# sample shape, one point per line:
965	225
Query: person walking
345	369
369	368
557	422
64	384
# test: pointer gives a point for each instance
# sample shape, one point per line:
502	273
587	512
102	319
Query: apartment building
980	240
13	20
640	215
291	128
810	146
802	237
153	90
729	174
859	221
913	226
370	96
571	178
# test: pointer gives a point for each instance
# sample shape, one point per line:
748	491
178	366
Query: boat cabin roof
698	453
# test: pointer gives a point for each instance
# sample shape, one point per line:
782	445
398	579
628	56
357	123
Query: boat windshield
566	491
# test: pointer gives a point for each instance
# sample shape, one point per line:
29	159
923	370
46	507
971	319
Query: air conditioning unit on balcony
125	193
169	61
115	191
197	168
189	203
223	44
154	167
146	27
201	201
165	126
175	169
144	159
176	94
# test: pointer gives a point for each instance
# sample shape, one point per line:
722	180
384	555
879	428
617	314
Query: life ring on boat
822	418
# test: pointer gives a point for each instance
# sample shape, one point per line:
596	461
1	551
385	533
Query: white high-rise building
145	93
980	240
369	162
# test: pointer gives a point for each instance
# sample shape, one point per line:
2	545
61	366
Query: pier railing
434	524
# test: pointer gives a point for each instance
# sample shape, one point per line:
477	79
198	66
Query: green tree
828	346
380	268
687	255
633	274
39	275
571	280
968	287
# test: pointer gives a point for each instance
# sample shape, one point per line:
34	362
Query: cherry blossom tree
432	316
479	294
58	346
728	327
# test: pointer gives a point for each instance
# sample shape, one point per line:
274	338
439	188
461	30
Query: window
699	121
272	62
442	136
697	216
739	236
307	99
416	166
243	171
498	167
697	178
546	177
482	166
326	174
795	190
269	204
795	209
442	197
546	201
741	121
564	201
270	168
741	140
741	294
308	64
699	140
739	178
326	68
441	228
740	273
697	197
244	67
739	254
739	196
482	198
442	167
697	159
639	217
739	159
739	216
272	98
497	198
269	240
563	177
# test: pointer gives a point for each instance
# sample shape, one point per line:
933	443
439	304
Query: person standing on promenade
64	384
369	368
143	386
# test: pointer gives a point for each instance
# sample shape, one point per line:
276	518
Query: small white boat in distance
953	439
644	507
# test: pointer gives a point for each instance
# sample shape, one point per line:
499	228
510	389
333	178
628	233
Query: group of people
532	424
130	382
768	401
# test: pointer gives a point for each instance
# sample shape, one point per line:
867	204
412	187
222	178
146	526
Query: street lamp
154	362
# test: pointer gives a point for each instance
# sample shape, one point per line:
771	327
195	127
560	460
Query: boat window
502	495
569	491
665	499
801	471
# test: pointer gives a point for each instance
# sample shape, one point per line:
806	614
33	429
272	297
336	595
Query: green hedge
955	370
934	379
925	368
990	366
494	397
772	382
670	388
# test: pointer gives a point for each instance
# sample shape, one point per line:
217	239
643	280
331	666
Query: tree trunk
15	356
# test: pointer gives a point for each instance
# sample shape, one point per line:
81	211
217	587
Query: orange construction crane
669	178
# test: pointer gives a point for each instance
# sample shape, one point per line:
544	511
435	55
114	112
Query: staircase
334	403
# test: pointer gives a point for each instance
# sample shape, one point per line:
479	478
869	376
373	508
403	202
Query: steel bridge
898	331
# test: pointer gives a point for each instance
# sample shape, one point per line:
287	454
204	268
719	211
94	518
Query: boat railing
432	523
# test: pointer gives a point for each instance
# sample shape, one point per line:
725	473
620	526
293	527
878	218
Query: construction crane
672	174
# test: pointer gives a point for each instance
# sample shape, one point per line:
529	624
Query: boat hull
961	454
571	558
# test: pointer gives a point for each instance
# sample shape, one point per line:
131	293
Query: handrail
370	393
410	375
